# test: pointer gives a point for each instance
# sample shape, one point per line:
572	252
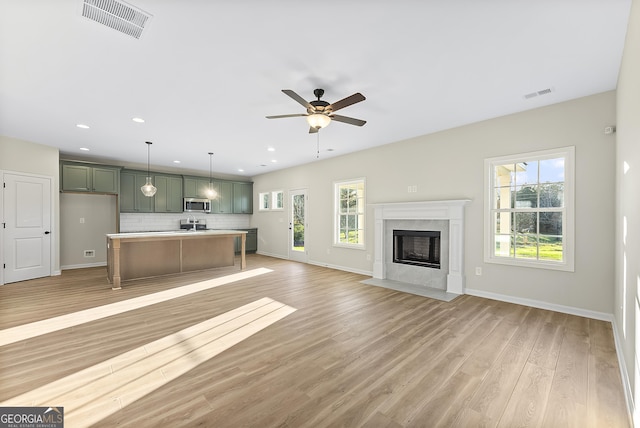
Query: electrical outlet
478	271
89	253
368	257
81	220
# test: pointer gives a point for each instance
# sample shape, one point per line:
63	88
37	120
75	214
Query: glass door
298	226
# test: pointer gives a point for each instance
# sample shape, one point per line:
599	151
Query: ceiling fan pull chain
318	145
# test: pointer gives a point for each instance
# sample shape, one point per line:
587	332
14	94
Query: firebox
417	247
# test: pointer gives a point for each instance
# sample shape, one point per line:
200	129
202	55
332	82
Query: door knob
47	232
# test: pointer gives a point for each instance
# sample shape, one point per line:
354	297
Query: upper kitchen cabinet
232	197
131	198
195	187
78	177
223	203
168	198
243	198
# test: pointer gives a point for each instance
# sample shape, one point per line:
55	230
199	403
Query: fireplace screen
417	247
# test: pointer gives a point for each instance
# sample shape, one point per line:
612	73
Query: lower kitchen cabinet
251	243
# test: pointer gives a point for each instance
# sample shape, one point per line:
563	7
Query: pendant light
211	192
148	189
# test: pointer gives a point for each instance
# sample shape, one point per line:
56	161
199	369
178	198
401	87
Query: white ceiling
206	73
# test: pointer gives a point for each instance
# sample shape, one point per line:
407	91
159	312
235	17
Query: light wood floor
302	346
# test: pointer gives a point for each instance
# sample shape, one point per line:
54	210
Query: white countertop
174	233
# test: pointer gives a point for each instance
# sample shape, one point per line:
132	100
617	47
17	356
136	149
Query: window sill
535	264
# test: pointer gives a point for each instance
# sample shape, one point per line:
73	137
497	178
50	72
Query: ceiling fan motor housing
318	107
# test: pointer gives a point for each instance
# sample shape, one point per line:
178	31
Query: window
264	201
350	209
277	202
529	209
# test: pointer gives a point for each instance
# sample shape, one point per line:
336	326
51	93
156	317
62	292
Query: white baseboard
84	265
542	305
277	256
624	373
343	268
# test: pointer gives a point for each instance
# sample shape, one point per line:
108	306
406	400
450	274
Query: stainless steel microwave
194	205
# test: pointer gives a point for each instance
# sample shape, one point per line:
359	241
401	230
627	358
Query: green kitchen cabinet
106	180
251	242
132	200
88	178
243	198
195	187
168	198
223	203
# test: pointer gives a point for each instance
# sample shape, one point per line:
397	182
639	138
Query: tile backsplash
155	222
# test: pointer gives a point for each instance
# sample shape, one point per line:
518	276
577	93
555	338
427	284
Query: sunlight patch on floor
96	392
38	328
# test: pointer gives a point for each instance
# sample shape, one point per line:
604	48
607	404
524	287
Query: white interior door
27	233
298	243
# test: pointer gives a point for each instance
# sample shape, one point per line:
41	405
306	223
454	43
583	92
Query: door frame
54	229
298	256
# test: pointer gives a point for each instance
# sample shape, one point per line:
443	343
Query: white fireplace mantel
451	210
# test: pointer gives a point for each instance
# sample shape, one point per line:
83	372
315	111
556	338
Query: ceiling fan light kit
318	120
320	113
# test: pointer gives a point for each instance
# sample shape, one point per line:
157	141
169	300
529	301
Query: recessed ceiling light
271	149
138	120
176	161
273	161
240	170
84	149
82	125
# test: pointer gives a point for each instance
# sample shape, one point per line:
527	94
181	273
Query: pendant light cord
210	168
148	157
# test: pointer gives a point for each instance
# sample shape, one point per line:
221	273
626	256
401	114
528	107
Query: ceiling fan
320	113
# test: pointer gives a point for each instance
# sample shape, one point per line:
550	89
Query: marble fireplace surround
451	210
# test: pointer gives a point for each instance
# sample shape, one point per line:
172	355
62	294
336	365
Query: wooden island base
144	255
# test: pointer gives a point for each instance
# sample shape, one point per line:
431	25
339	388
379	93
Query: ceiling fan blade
349	120
313	130
298	98
285	115
346	102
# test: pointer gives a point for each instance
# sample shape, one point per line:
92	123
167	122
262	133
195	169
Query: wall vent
538	93
118	15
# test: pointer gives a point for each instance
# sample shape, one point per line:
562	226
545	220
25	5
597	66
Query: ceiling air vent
538	93
118	15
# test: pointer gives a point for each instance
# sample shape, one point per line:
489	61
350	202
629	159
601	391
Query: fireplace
447	217
417	248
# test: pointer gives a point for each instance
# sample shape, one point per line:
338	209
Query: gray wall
449	165
85	219
627	266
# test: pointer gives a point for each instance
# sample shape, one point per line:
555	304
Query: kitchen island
149	254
